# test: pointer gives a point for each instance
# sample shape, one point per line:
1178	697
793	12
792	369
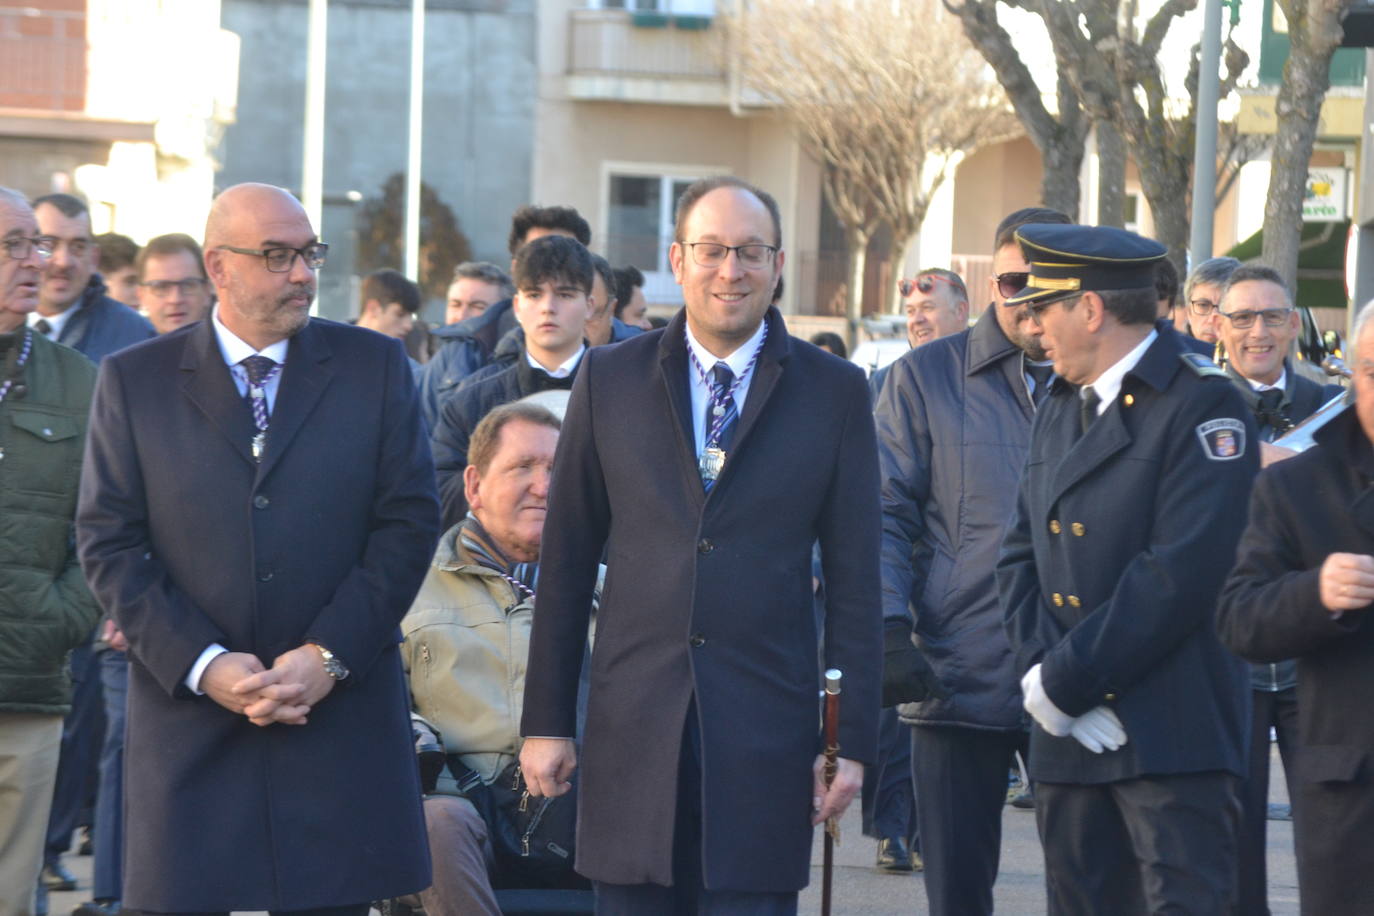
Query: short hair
703	186
956	282
627	278
1249	273
1130	306
1006	229
116	251
603	267
1362	318
1211	272
531	217
831	341
555	258
66	204
172	243
486	438
388	286
486	272
1166	282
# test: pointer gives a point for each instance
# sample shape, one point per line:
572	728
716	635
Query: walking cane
832	749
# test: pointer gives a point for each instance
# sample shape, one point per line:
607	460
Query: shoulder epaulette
1202	365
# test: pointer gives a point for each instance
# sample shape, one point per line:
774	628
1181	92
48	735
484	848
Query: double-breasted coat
1110	571
707	596
1303	510
188	541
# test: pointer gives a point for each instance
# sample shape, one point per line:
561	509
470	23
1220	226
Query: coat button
1078	529
265	574
1058	599
697	640
1128	400
704	546
1055	527
1110	698
261	502
1074	602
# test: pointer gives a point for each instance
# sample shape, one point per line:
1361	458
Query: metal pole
417	104
1205	148
312	166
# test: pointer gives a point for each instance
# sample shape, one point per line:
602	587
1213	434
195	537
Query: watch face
335	669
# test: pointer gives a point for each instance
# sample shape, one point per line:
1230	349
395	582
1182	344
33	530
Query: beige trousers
28	769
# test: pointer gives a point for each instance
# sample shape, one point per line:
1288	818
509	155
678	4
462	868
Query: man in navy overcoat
708	490
257	511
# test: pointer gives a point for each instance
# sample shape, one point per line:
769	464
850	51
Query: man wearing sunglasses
1126	522
257	514
953	427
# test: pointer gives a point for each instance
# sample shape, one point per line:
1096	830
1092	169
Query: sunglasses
1009	284
925	284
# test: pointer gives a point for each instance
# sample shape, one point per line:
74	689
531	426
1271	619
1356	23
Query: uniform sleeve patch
1223	439
1202	365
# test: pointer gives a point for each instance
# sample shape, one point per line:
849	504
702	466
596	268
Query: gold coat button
1078	529
1058	599
1110	698
1074	602
1128	400
1055	527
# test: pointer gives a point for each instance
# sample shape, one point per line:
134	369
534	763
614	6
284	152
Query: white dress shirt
1108	384
701	393
55	322
564	369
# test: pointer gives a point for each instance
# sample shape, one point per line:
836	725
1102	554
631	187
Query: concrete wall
479	108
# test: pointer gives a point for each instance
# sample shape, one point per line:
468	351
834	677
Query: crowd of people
360	637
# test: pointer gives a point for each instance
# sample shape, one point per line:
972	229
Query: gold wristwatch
332	666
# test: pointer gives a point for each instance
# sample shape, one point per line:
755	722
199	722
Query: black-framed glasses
279	260
1203	307
1273	318
163	289
18	248
925	283
753	256
1036	310
1011	283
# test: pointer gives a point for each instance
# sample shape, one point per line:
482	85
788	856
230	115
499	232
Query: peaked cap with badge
1067	260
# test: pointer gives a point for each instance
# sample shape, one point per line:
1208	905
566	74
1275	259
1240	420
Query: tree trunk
1314	32
857	241
1111	175
1061	162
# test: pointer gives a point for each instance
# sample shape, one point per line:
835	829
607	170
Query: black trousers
961	788
78	766
1278	710
1159	844
688	896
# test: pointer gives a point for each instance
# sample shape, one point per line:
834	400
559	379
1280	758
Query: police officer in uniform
1128	514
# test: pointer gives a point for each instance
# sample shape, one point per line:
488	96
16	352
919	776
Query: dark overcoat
1303	510
1110	571
187	542
707	596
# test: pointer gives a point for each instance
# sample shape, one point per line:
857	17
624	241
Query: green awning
1321	262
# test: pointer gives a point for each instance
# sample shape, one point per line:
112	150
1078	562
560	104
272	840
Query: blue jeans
109	802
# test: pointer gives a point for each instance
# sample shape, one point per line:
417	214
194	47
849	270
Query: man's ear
214	267
471	478
1094	311
675	254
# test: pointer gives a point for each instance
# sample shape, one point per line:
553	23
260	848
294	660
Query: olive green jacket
45	607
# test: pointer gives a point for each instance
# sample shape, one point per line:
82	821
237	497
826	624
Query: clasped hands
284	693
1098	729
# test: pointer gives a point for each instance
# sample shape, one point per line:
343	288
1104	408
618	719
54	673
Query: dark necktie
1269	413
1041	375
42	327
724	378
1087	411
259	369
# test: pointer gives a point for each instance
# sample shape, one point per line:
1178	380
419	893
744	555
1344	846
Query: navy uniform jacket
187	542
707	597
1110	571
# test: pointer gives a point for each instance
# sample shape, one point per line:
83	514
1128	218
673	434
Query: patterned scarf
524	577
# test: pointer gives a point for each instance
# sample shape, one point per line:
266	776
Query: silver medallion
718	411
259	443
711	462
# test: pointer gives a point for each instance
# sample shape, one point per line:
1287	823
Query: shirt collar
54	321
1281	383
564	369
1108	384
235	350
738	361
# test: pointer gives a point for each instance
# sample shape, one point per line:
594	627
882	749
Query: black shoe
1025	800
894	855
55	877
99	908
87	847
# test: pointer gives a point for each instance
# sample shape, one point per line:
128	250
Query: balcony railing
42	60
622	43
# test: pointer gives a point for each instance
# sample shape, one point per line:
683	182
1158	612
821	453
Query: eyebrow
275	243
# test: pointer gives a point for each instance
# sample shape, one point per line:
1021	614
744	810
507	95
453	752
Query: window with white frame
679	7
639	227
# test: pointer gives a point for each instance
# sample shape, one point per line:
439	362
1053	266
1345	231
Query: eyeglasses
1009	284
1037	310
1273	318
280	260
925	283
163	289
17	249
751	257
1202	307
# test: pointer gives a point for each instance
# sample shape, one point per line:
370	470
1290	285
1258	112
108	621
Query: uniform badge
1223	439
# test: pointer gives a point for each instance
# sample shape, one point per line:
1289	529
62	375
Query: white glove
1099	729
1051	718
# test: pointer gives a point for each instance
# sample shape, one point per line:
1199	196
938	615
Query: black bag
532	837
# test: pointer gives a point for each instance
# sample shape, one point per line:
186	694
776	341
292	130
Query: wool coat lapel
673	368
207	382
303	381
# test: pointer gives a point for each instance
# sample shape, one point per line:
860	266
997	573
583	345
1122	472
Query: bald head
238	209
13	200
